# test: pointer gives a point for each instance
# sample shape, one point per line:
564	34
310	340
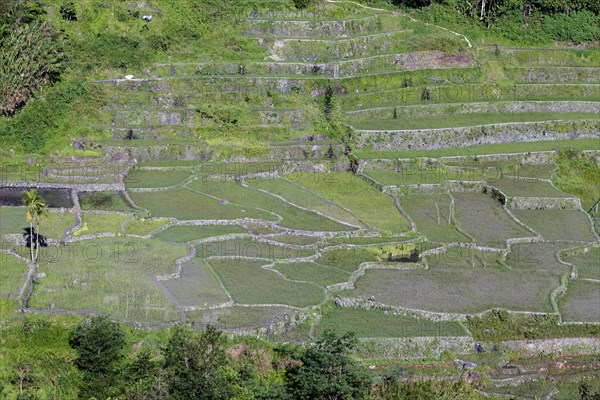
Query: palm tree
37	210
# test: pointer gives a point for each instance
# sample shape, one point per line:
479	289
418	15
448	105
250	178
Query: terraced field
367	170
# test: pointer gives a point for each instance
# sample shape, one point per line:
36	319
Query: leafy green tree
328	372
99	344
145	378
37	210
196	365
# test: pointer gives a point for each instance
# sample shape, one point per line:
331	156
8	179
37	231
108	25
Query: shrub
576	27
514	26
68	12
301	4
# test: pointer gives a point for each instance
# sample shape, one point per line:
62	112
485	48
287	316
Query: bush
514	26
68	12
576	27
578	174
420	389
301	4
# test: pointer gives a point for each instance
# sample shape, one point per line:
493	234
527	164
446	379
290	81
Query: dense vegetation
53	49
533	21
32	55
100	359
90	88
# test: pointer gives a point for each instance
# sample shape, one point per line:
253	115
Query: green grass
289	190
579	175
109	201
197	286
321	275
57	224
239	317
366	202
347	259
247	247
499	326
538	256
143	227
187	205
586	260
42	343
99	223
169	163
224	169
8	307
423	176
461	93
183	234
528	389
12	274
296	239
483	149
53	227
261	228
12	221
378	323
541	171
458	289
526	188
558	224
464	258
473	208
422	209
581	303
140	178
248	283
460	120
363	240
570	390
293	217
114	276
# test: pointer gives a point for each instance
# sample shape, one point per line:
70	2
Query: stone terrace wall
484	134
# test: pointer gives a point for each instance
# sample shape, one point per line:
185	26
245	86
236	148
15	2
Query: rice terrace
285	171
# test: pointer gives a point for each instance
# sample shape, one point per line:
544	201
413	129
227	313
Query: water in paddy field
55	198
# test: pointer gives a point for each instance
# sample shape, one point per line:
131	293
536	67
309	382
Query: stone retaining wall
544	203
474	135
